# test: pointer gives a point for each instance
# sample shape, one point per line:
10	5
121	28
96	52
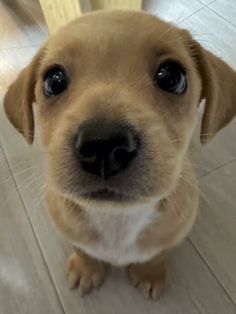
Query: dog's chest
118	233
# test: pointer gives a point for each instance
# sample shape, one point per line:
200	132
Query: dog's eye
171	77
55	81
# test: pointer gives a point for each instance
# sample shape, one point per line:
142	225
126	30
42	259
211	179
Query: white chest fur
118	230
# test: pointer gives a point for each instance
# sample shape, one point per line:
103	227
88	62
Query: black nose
106	149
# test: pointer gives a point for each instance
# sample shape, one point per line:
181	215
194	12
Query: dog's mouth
107	195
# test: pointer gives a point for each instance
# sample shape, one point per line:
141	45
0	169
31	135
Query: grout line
211	270
195	12
217	168
207	3
186	18
32	228
221	16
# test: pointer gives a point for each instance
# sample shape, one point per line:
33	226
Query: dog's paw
84	272
151	280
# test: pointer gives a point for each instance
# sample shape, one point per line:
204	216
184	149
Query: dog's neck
118	229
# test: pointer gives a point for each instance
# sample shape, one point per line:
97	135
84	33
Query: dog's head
117	96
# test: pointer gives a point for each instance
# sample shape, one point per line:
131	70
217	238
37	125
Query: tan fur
111	58
150	278
85	271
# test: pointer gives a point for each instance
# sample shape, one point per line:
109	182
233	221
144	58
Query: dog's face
117	96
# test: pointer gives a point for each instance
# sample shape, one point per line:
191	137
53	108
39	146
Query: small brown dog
117	94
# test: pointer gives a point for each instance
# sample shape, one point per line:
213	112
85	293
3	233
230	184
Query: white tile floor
32	255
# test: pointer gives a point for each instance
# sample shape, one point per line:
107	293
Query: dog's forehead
116	29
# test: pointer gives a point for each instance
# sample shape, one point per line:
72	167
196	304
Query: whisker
37	201
33	179
18	173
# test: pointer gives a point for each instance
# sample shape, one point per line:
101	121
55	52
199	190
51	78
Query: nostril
123	154
120	158
120	154
88	152
127	148
85	150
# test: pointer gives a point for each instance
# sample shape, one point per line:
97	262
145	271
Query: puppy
116	95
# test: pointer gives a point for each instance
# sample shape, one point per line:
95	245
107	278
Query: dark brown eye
171	77
55	81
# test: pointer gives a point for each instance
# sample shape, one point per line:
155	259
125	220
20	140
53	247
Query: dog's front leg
84	271
150	278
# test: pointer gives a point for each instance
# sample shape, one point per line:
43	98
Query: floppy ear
218	88
18	101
